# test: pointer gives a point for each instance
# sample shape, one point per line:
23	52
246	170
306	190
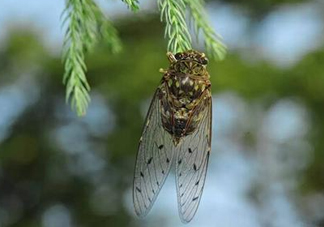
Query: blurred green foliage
35	170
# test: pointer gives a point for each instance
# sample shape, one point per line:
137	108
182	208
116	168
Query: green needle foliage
215	48
172	12
108	32
132	4
86	24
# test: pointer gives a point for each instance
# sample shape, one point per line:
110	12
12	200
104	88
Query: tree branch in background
85	23
172	12
213	44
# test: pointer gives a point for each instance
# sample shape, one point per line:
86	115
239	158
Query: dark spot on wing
181	194
179	162
158	184
195	167
138	189
162	171
180	174
195	198
180	186
161	146
197	183
189	150
167	160
153	191
142	174
149	199
149	161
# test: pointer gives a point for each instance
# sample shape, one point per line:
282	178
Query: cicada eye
178	56
204	61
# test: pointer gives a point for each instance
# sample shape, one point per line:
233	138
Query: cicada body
178	127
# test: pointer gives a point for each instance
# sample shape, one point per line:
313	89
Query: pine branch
78	37
213	44
85	23
132	4
172	12
108	32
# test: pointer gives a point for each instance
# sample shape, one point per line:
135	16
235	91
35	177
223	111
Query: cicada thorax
183	97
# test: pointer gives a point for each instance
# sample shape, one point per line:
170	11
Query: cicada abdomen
178	126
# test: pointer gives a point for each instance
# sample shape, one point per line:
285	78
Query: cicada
177	130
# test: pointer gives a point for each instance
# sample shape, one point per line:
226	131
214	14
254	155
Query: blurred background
266	167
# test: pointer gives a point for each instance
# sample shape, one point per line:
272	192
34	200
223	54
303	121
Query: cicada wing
154	159
191	165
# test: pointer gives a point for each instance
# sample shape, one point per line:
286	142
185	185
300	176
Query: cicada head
188	62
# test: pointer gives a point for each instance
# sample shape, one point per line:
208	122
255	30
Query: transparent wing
192	161
154	158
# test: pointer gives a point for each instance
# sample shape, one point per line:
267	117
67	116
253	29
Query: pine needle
85	23
213	44
173	13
